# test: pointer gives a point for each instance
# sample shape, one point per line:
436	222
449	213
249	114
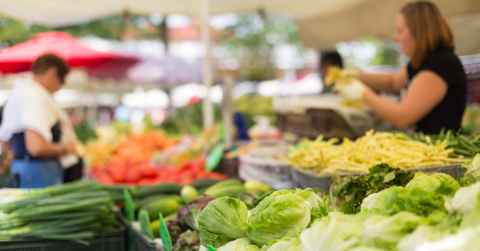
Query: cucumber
163	188
204	183
166	206
230	188
149	199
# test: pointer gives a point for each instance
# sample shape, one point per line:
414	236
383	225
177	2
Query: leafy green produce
386	231
230	188
145	224
338	231
290	242
188	241
398	199
188	216
223	220
439	183
85	131
357	188
465	200
242	244
473	171
276	215
174	228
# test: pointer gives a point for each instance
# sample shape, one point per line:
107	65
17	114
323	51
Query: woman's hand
70	147
353	91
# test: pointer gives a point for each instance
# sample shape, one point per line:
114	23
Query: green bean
442	132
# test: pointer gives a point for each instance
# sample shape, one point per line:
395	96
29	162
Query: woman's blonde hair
429	29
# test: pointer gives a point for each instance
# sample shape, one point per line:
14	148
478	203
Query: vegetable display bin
262	164
228	166
112	240
305	178
136	241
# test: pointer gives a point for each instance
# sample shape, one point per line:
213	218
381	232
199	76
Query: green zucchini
162	188
166	206
150	199
230	188
204	183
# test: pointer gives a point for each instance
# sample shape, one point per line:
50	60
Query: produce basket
113	240
261	164
135	240
306	178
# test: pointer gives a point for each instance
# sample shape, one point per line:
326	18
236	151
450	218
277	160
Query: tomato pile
144	173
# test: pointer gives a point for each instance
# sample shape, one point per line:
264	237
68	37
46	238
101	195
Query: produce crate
314	123
228	166
113	240
136	241
261	164
306	178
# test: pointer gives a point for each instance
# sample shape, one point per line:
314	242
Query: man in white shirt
34	128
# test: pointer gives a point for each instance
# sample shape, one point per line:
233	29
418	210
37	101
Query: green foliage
357	188
189	119
15	32
252	40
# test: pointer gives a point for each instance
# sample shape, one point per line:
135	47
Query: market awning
358	18
20	57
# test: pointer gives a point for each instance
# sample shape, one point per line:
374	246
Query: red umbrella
20	57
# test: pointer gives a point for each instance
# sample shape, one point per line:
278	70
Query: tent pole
227	112
207	63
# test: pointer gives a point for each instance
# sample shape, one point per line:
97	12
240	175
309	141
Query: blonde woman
432	86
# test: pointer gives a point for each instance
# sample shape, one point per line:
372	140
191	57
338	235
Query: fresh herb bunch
356	188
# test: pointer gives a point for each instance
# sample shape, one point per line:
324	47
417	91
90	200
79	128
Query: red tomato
105	179
133	175
148	172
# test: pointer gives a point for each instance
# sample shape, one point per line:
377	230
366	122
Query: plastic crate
228	166
113	240
306	178
136	241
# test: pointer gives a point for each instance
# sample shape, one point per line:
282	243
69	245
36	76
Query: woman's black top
19	148
448	114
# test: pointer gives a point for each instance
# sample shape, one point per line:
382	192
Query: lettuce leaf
438	183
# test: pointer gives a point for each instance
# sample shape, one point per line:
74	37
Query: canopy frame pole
208	116
227	112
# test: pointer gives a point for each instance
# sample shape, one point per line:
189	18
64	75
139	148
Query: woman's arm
426	92
385	82
39	148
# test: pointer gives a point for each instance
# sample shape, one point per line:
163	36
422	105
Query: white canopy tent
357	18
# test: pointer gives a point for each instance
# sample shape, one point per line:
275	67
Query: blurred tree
385	55
13	32
253	39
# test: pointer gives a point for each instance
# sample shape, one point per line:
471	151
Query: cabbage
337	232
242	244
438	183
398	199
367	249
386	231
421	235
276	215
473	168
290	242
223	220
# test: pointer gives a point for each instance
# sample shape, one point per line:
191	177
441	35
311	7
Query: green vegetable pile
73	211
467	146
389	209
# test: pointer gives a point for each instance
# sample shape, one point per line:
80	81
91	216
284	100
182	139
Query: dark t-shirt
448	114
19	148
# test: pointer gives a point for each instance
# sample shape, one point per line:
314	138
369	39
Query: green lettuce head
338	231
223	220
438	183
386	231
398	199
242	244
276	215
290	242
